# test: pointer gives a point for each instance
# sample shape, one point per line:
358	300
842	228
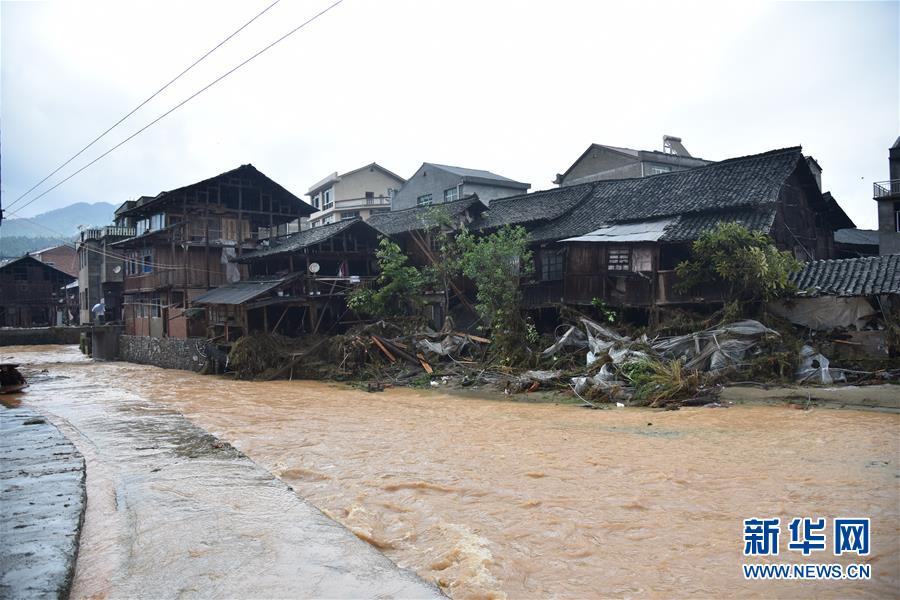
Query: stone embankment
42	494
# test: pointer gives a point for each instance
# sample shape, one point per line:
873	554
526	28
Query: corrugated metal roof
868	276
239	292
644	231
859	237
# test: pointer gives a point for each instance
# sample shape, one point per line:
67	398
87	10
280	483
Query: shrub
747	262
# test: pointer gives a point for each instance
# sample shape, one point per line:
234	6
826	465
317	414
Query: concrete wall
169	353
368	180
40	335
427	180
432	180
888	236
600	161
486	193
90	265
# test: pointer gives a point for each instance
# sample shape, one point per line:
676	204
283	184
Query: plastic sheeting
823	313
813	368
716	348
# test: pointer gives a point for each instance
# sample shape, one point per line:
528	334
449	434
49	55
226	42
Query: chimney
673	145
816	170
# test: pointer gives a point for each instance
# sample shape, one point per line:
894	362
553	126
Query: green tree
747	262
399	289
496	263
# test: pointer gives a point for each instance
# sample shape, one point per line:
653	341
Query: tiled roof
539	206
409	219
247	170
737	183
689	227
850	276
299	240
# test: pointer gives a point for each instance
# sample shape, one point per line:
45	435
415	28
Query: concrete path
174	512
42	500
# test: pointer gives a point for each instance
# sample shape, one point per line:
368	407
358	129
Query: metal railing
886	188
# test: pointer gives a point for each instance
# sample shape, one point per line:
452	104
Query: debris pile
586	359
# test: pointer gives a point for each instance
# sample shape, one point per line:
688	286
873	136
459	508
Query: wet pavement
42	501
174	512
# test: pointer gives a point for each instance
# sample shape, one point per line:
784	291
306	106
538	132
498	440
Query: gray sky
518	88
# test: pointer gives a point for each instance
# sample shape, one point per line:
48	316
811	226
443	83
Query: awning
644	231
238	292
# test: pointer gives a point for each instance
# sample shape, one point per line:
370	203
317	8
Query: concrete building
600	162
359	193
887	195
101	271
434	184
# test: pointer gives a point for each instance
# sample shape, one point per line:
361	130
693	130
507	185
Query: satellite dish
314	268
117	269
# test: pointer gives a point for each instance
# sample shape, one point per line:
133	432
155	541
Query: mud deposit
494	499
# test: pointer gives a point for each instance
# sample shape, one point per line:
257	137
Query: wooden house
185	240
32	293
296	283
620	240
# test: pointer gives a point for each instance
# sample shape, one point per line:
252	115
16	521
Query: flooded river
493	499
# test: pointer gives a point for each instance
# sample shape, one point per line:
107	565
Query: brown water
493	499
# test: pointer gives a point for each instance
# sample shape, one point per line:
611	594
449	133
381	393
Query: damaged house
184	240
296	283
856	295
619	241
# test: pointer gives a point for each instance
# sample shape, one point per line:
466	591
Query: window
317	201
156	308
349	214
326	200
451	194
656	170
896	216
147	262
157	221
552	265
370	197
643	260
328	219
618	259
423	200
376	211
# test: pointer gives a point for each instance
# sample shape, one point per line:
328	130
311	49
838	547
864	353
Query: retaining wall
169	353
28	336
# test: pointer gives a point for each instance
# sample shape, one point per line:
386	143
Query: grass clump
656	383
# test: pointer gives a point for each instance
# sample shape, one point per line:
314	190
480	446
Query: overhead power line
148	99
180	104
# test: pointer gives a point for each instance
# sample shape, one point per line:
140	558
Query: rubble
593	362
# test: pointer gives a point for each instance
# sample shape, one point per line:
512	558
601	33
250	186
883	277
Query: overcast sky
518	88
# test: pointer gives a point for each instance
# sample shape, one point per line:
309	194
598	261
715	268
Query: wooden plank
383	348
425	364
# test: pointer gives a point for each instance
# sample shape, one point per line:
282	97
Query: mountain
61	222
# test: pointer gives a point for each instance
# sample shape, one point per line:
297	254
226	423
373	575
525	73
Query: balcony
886	188
115	231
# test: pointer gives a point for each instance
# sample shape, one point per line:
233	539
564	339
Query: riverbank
174	511
42	492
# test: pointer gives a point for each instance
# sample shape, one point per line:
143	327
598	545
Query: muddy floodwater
495	499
